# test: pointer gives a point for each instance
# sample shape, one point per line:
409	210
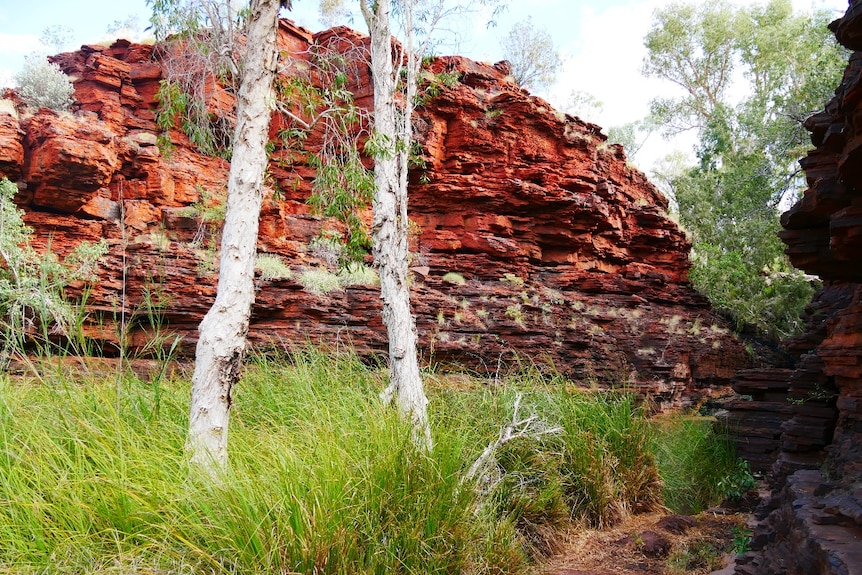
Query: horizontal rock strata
533	239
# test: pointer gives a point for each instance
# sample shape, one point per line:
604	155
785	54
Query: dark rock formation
533	237
813	521
757	418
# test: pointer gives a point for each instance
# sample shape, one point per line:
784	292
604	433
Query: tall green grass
323	479
596	470
698	464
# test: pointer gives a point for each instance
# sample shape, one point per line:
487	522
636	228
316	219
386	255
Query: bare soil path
653	544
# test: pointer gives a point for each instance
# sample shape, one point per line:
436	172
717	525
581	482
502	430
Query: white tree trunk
222	333
392	131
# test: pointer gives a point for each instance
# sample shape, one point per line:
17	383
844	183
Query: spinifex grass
323	478
595	469
699	467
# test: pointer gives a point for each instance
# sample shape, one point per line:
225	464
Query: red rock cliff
533	237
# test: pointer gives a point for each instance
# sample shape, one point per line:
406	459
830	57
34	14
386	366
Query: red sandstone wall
566	251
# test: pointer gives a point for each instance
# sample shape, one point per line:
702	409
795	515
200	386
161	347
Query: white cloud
19	43
15	47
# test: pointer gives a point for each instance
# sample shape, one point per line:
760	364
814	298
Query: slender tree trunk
222	333
390	224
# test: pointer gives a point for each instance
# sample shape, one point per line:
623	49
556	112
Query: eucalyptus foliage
749	145
342	185
200	53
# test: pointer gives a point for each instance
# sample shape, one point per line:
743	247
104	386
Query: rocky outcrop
758	416
533	240
812	529
11	146
813	521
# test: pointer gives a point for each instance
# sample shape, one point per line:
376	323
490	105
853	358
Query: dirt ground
653	544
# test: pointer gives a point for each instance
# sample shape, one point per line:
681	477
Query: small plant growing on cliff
358	274
182	106
319	281
209	208
32	306
327	246
493	113
42	84
272	267
454	278
516	314
432	85
512	280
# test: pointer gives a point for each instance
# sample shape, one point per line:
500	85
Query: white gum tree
396	60
395	73
392	140
222	333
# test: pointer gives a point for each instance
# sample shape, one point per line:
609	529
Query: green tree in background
534	57
749	143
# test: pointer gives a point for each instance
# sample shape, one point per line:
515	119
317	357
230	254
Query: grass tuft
699	466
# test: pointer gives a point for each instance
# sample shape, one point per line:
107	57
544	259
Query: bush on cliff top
42	84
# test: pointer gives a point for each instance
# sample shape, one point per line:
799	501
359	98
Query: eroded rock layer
813	522
532	237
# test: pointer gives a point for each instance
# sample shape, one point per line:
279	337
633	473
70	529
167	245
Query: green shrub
769	299
272	267
320	281
33	309
531	494
358	274
42	84
454	278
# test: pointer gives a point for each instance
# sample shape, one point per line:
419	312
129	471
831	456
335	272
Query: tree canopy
533	55
748	78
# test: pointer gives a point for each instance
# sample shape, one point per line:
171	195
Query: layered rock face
813	522
533	239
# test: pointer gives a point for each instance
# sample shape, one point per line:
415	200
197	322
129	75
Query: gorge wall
805	423
533	238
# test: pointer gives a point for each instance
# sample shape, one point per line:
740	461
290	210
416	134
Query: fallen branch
484	469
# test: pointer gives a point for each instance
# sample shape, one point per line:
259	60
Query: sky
600	43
